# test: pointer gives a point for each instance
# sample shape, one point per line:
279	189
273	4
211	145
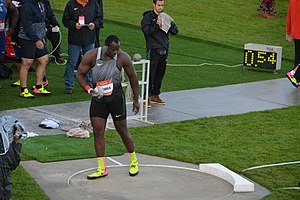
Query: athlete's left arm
130	71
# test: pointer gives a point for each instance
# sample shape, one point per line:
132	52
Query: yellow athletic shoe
26	94
292	79
98	174
134	168
41	90
16	84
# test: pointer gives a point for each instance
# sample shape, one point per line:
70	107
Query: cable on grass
277	164
200	65
289	188
51	56
272	165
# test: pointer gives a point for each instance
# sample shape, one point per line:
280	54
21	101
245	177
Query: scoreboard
262	56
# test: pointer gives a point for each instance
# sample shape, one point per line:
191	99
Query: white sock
292	72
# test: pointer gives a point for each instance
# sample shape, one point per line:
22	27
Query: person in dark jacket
100	3
53	32
16	43
156	26
9	162
32	39
81	18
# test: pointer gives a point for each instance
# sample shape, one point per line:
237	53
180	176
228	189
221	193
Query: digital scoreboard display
262	56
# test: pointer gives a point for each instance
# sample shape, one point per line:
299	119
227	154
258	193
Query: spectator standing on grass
54	38
53	32
5	7
156	26
81	18
15	42
97	43
293	33
106	63
32	40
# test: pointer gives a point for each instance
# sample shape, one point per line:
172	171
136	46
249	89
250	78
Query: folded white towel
49	123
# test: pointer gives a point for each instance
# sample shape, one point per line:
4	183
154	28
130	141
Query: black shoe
69	91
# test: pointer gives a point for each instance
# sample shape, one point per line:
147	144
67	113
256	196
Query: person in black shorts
108	98
32	40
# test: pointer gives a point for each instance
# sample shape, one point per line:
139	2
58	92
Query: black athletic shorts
30	51
105	106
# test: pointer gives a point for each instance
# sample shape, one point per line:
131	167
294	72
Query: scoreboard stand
260	56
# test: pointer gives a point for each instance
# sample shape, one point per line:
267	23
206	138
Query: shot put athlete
106	63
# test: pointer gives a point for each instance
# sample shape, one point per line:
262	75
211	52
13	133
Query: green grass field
183	50
231	22
210	32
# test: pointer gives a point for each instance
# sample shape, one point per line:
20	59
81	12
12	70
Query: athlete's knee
121	129
98	134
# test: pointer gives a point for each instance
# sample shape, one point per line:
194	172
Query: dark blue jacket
32	17
50	19
155	37
91	12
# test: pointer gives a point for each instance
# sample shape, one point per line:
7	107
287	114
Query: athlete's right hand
135	107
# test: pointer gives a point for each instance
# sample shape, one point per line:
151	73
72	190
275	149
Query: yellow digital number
261	57
272	58
251	58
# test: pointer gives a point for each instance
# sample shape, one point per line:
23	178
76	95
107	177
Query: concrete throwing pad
158	179
152	183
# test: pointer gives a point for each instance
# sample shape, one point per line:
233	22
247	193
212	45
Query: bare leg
26	63
99	125
296	68
121	127
99	144
41	69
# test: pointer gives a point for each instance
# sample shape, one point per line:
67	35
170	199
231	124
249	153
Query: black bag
5	72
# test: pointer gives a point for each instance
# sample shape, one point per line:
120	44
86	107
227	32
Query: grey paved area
153	182
181	105
159	179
